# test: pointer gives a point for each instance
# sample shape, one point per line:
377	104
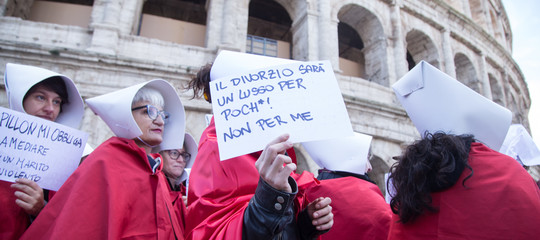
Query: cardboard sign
300	98
37	149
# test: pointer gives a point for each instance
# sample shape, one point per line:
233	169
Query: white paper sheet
349	154
254	107
436	102
40	150
519	144
390	190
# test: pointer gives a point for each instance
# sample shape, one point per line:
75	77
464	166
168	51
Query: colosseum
105	45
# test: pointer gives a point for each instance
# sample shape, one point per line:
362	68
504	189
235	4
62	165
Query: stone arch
72	12
380	168
269	29
465	72
421	47
298	12
370	30
179	21
410	60
497	91
351	58
295	9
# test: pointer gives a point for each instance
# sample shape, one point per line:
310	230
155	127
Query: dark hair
200	83
55	84
432	164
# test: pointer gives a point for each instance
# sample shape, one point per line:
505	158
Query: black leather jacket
270	215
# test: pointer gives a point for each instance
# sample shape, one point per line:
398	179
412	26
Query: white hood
437	102
348	154
20	78
115	109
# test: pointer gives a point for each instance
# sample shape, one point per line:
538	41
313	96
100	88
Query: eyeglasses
153	112
175	154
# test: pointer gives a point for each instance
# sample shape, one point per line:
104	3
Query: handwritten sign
302	99
37	149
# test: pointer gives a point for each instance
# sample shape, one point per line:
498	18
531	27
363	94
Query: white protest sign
254	107
37	149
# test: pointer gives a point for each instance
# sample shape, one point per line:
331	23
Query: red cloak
179	206
113	194
219	191
500	201
359	208
13	219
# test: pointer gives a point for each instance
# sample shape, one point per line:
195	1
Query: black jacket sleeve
269	212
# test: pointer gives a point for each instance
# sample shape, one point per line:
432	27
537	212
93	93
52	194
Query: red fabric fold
13	219
113	194
219	191
500	201
359	208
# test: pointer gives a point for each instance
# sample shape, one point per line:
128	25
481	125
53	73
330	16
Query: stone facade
468	39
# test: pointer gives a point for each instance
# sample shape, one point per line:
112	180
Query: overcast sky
524	18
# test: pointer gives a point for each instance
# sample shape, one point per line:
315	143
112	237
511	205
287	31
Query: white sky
524	18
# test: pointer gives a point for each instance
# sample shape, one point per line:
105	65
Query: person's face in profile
174	162
152	129
43	103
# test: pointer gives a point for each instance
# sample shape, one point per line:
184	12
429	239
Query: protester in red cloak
48	95
220	192
175	161
119	191
359	208
253	196
449	188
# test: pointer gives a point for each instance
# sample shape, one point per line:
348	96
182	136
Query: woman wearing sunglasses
120	191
